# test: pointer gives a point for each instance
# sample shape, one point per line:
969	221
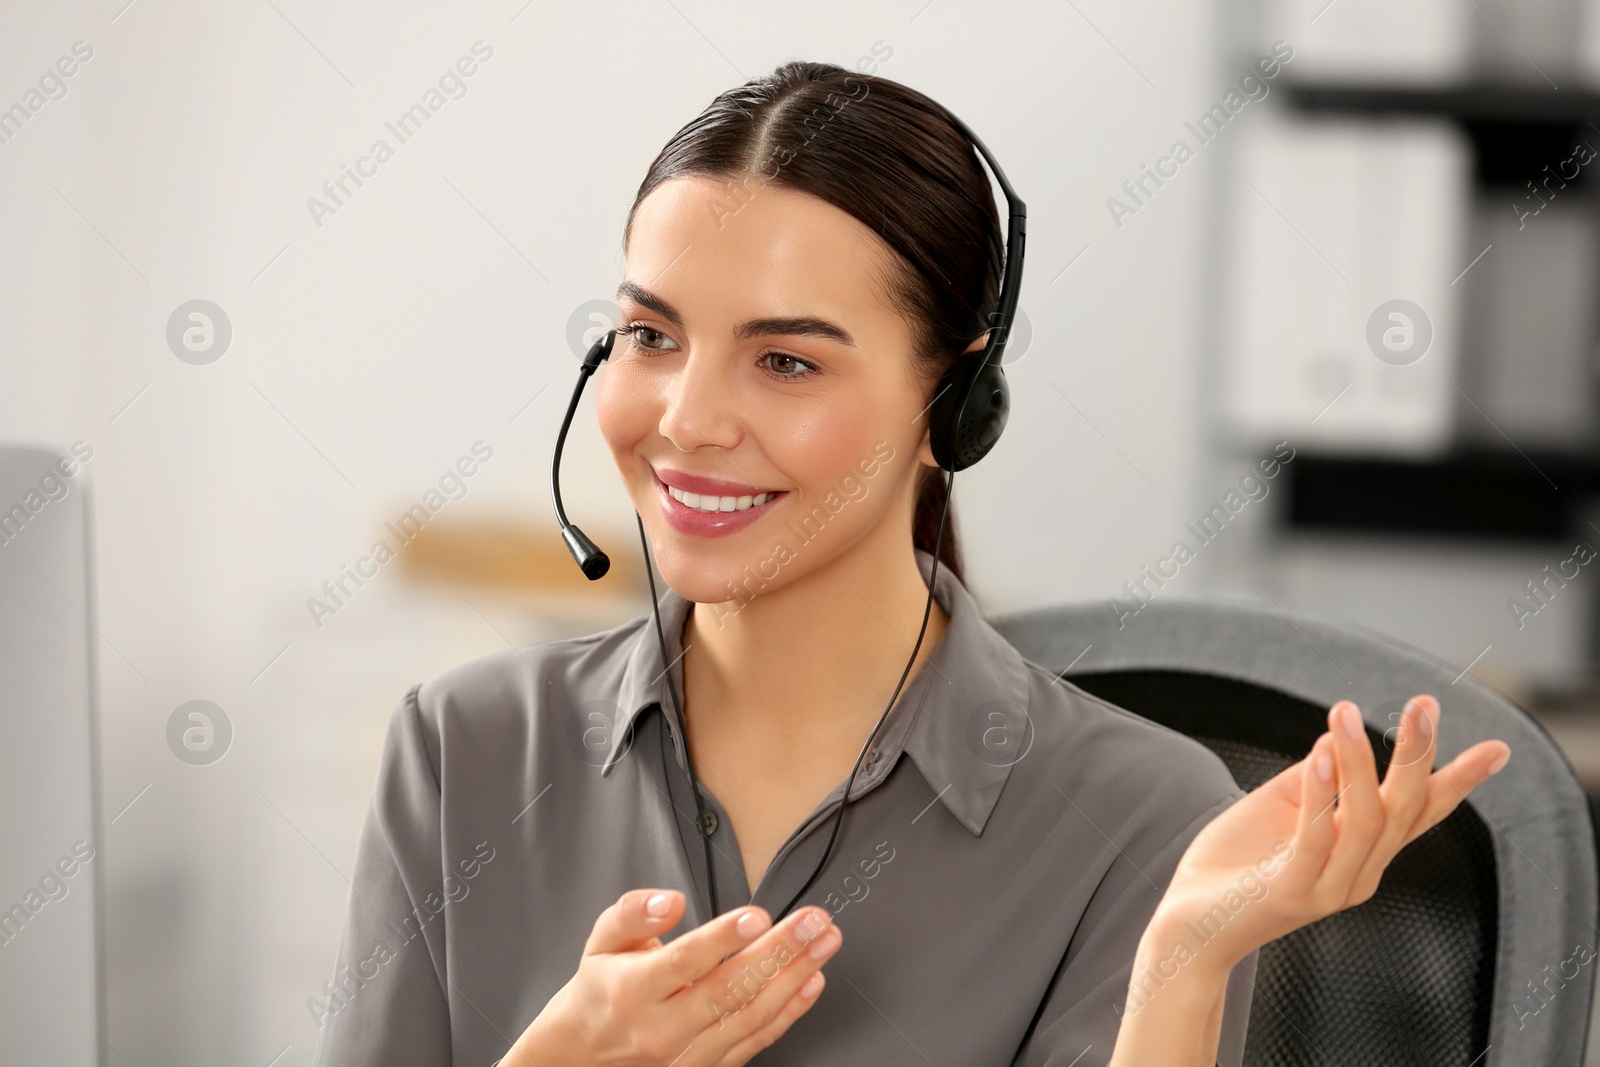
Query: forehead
779	252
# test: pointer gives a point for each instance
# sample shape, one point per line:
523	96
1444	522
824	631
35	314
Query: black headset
965	420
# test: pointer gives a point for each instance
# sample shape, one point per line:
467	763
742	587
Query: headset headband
1016	238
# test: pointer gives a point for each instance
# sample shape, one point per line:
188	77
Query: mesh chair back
1477	947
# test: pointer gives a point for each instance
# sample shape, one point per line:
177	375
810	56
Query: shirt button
708	822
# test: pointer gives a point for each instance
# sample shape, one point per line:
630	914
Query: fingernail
1351	719
1424	722
656	905
812	987
1324	766
824	946
1497	765
750	924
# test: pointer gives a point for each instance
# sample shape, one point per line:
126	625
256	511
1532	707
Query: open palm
1286	854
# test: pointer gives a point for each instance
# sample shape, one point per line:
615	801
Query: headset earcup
969	412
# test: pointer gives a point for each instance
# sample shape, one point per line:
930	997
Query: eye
782	364
644	339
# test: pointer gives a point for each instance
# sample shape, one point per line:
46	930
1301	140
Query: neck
810	666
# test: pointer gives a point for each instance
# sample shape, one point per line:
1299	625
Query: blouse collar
973	684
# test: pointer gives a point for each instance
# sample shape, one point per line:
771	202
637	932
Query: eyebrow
790	326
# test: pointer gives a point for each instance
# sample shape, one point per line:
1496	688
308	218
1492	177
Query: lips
691	520
694	483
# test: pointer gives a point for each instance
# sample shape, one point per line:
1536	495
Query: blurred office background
1381	255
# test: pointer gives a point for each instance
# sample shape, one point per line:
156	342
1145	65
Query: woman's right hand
638	1003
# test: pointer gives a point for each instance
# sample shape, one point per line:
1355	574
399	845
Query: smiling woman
678	872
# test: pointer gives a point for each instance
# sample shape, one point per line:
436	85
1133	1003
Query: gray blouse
1006	843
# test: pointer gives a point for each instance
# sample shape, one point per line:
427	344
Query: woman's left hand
1284	856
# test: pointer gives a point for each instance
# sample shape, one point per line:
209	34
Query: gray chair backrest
1478	946
52	1000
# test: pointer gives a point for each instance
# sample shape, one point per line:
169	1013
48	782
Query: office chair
52	983
1478	946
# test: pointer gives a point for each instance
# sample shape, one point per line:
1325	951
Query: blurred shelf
518	559
1515	130
1540	496
1481	100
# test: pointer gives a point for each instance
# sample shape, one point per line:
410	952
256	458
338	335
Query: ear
925	449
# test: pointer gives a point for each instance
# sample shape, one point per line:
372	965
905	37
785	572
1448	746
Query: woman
538	881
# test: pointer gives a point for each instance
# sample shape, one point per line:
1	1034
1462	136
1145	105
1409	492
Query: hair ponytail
931	492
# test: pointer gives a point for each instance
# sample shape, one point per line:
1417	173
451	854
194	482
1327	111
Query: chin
711	557
717	571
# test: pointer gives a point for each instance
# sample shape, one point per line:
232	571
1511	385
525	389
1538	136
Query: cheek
826	441
624	408
832	442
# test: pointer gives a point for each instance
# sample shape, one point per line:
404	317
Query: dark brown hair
890	157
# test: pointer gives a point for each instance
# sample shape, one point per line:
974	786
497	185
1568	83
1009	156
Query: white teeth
718	503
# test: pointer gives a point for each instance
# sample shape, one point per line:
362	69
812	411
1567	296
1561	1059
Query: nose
700	404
